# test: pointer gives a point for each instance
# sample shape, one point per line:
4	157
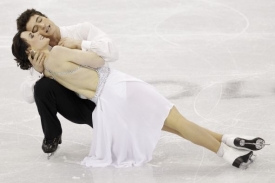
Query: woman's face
35	40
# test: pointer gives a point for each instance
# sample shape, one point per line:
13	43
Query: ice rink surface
214	59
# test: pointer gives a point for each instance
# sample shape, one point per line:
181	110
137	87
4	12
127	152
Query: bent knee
174	119
44	86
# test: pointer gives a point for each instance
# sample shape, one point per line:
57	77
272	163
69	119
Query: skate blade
252	144
257	144
51	154
246	165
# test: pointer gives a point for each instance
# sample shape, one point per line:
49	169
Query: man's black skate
50	145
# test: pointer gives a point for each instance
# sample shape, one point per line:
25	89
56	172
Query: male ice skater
50	97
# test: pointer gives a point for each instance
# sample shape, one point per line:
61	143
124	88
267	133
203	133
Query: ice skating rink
214	59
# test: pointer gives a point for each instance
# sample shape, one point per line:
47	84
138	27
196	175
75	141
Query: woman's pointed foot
243	162
237	158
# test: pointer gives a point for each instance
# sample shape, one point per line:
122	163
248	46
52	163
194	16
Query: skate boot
49	146
244	142
237	158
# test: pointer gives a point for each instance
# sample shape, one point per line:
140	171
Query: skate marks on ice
227	85
175	90
234	24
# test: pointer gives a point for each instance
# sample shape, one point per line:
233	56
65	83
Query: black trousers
52	98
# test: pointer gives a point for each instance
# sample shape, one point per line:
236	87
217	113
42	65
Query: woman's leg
177	124
217	136
167	129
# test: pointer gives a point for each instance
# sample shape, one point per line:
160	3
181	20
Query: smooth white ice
214	59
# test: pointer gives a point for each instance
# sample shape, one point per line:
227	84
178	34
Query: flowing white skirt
127	122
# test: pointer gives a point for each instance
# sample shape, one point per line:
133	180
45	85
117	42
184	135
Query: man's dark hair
19	48
23	19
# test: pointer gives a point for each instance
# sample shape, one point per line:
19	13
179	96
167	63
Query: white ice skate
237	158
244	142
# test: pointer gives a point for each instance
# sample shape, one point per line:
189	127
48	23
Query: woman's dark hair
23	19
19	47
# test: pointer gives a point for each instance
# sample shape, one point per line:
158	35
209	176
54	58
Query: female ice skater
125	134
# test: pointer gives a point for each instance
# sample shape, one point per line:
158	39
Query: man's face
42	25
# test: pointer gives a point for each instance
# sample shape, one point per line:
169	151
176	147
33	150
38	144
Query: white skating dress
127	120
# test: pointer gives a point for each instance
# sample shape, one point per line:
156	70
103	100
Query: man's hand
70	43
37	61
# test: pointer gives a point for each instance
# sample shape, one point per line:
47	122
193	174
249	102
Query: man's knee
45	87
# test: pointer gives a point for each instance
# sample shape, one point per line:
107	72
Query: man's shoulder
73	30
76	25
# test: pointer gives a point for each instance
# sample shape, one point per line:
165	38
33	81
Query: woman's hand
37	61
